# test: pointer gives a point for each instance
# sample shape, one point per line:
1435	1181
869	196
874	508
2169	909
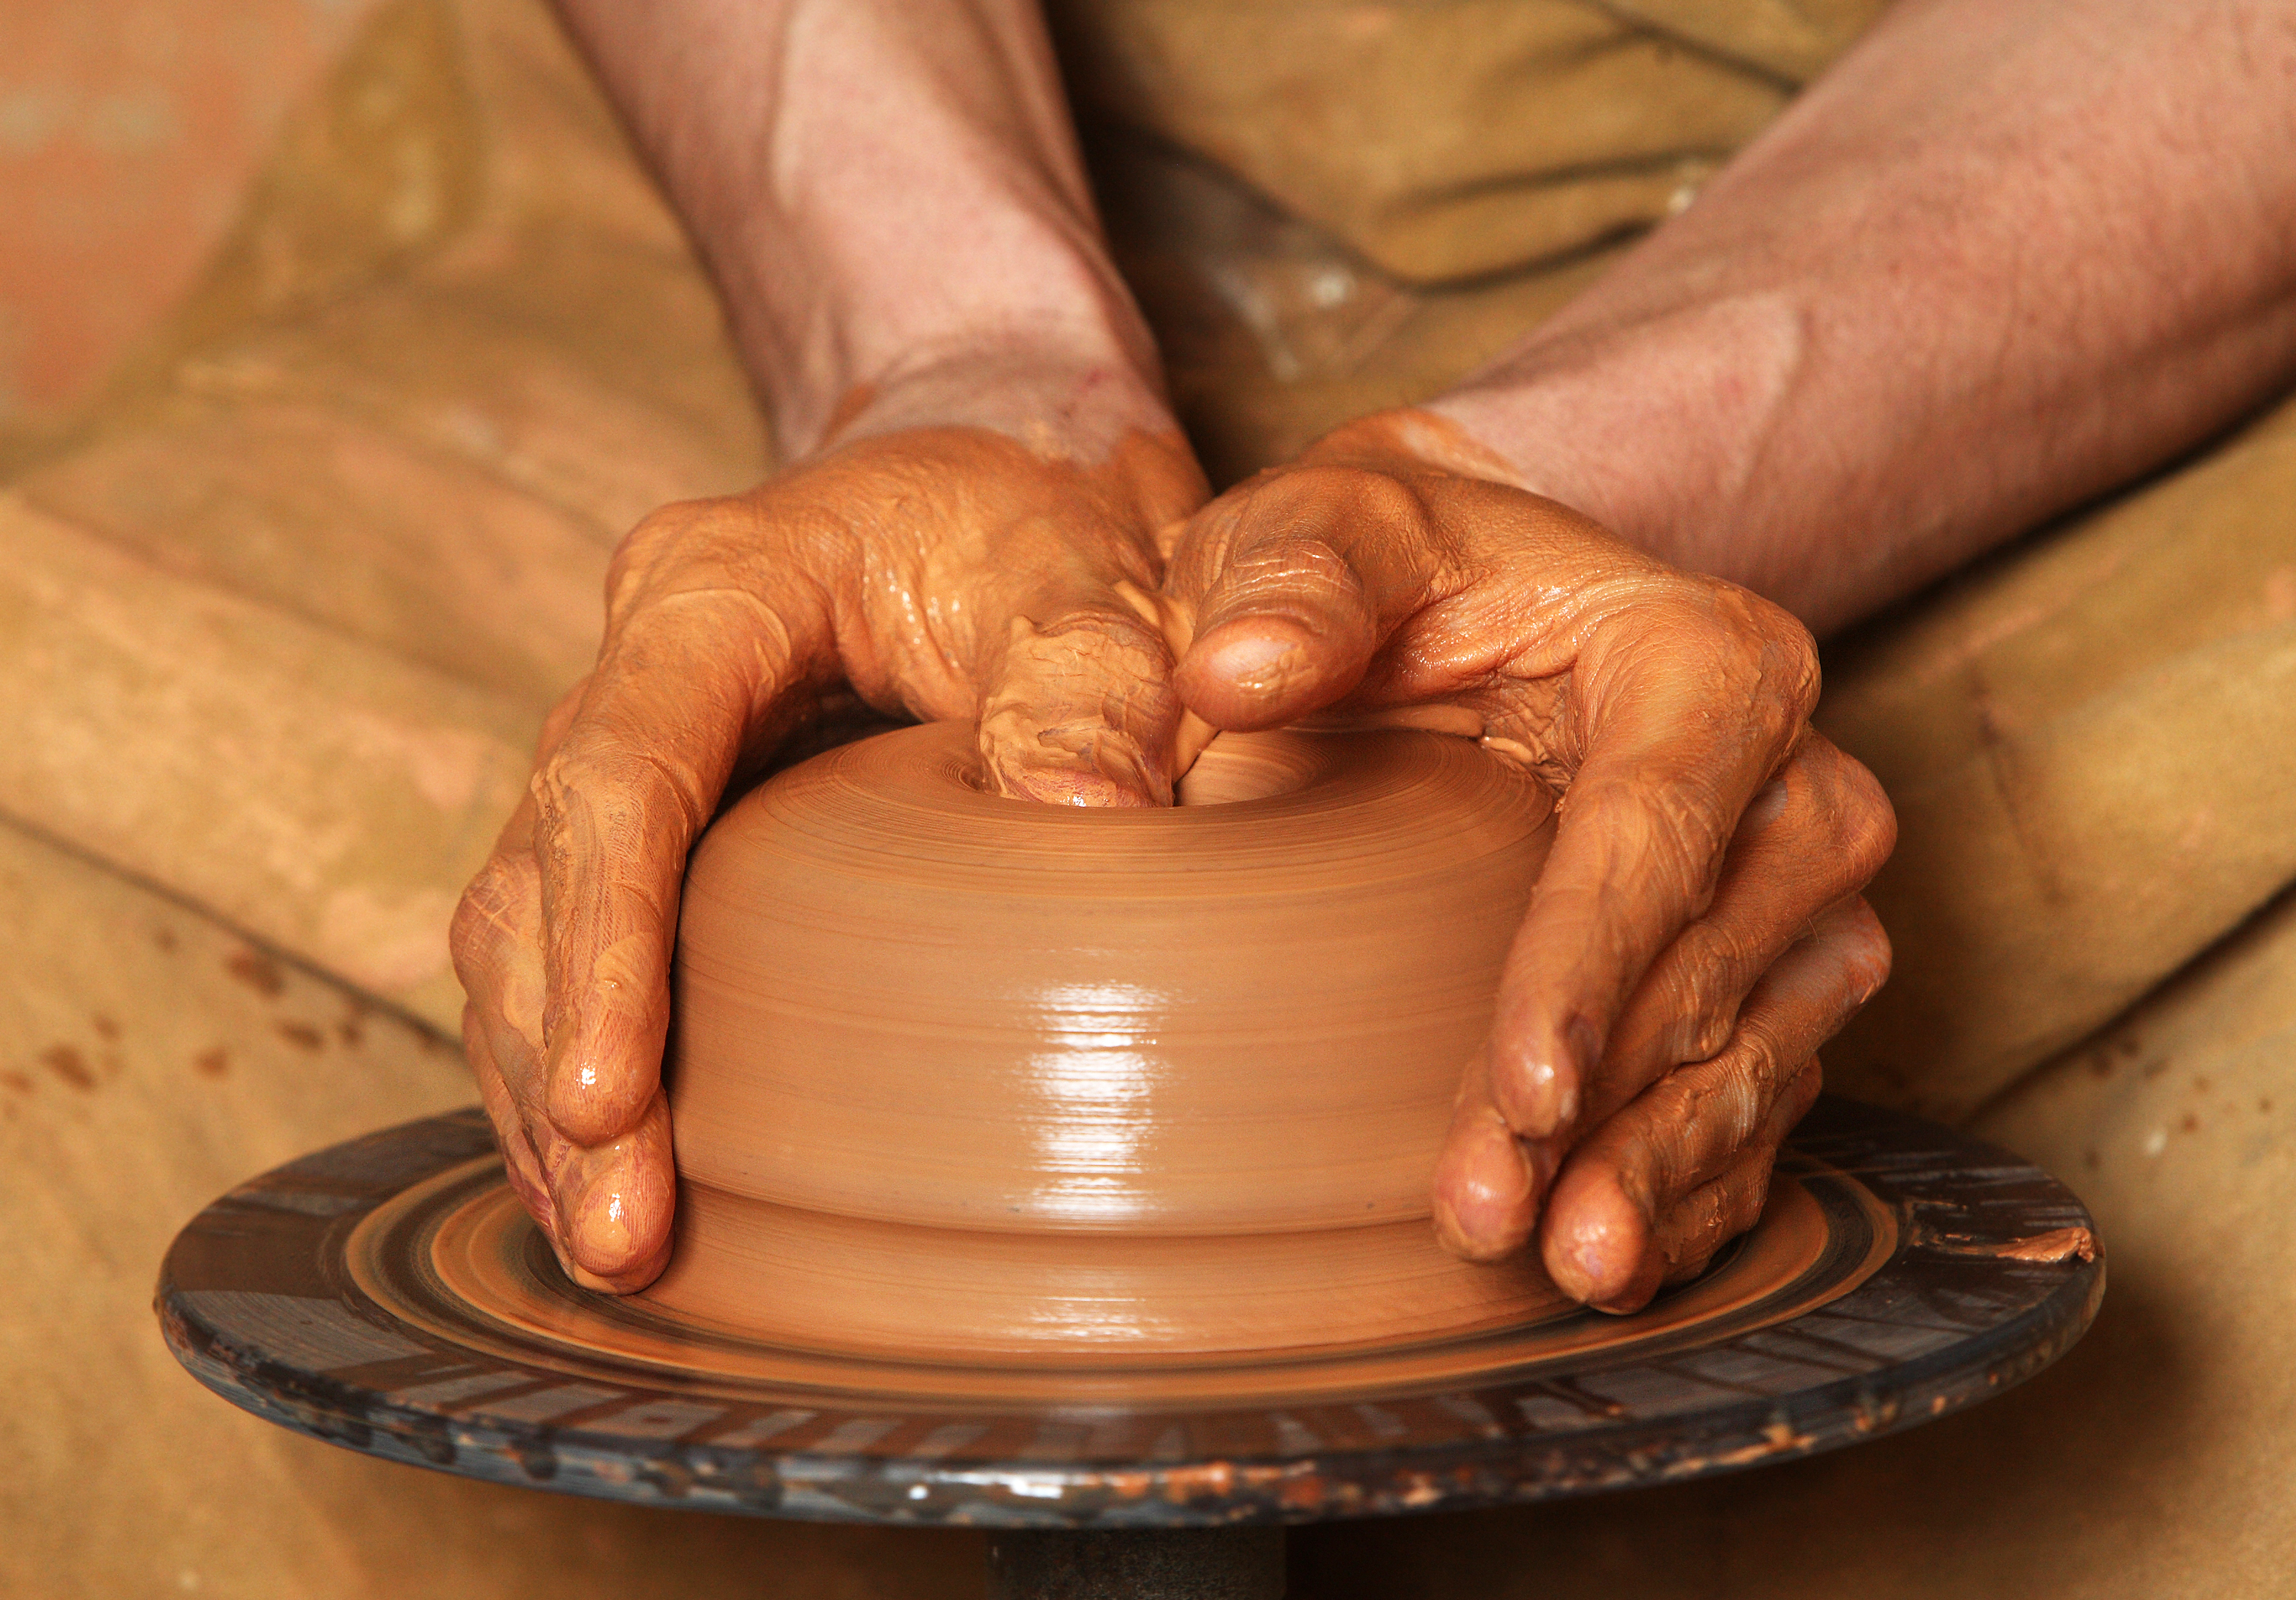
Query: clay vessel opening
1232	769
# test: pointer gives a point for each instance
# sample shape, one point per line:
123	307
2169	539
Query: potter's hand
944	573
1696	933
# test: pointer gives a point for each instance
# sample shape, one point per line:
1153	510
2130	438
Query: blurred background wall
129	130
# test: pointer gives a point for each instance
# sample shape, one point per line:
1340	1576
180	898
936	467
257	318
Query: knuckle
1290	572
1866	952
1319	490
1868	822
1777	648
1753	1093
1759	1071
1795	670
483	917
1757	647
1300	518
1853	815
1672	826
1707	983
1201	549
1802	1093
674	541
1708	1030
668	529
588	786
1292	558
575	769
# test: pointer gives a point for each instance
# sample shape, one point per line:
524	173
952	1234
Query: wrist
1658	427
1065	394
975	295
1044	343
1101	431
888	193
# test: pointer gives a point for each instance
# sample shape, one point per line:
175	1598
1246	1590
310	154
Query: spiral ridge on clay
927	1036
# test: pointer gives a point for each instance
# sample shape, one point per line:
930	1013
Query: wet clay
963	1074
458	1256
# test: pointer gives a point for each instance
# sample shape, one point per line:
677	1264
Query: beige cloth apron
276	629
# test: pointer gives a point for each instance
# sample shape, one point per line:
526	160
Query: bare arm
889	193
2000	258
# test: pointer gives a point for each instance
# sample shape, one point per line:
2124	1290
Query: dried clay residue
256	969
2058	1245
68	1065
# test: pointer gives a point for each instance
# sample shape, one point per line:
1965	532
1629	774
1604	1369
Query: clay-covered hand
1696	933
939	573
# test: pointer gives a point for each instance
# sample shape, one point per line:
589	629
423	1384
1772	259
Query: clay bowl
965	1077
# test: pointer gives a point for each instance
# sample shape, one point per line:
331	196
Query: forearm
890	194
2001	258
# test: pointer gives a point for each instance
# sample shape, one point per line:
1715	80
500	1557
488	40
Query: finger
501	1035
1681	708
1293	582
1617	1262
1610	1199
686	688
1487	1181
496	944
1714	1213
614	1200
496	940
1079	709
1810	840
520	1160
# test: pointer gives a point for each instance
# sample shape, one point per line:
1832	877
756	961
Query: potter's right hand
941	573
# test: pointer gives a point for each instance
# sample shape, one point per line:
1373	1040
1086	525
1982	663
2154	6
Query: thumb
1294	581
1079	710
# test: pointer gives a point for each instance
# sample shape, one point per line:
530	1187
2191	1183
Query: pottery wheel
389	1295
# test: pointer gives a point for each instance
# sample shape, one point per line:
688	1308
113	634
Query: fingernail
1586	1268
1262	661
1189	741
1596	1261
1763	810
588	1206
1549	1102
1474	1238
559	1071
1583	1049
1576	1274
1585	1045
598	1226
1491	1203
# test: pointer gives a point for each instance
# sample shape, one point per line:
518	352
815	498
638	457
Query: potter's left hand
1697	932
